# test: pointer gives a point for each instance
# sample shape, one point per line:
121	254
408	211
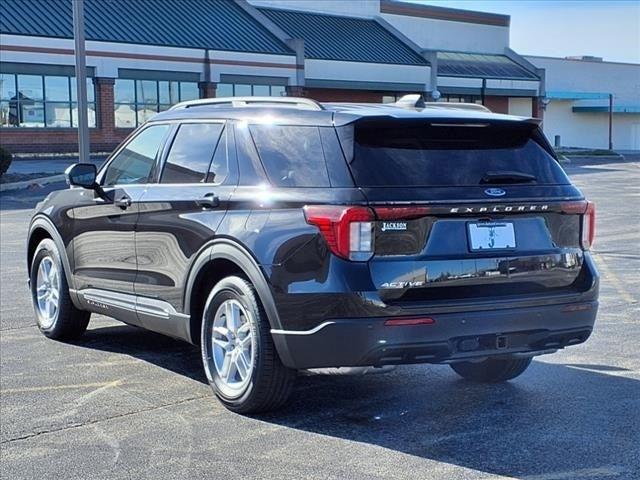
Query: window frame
161	151
232	160
171	140
252	86
69	103
268	172
137	100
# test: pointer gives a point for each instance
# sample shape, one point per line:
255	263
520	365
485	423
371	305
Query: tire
492	370
246	345
65	321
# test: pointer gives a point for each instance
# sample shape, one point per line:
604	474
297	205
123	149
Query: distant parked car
281	234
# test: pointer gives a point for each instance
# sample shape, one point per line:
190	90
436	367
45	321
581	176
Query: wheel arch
40	228
220	259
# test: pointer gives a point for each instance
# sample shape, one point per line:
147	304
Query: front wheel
57	316
239	357
492	370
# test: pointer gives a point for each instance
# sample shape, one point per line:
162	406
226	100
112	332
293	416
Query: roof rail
234	102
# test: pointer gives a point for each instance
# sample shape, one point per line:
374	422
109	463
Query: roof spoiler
416	100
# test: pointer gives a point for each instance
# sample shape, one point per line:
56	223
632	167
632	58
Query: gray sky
609	29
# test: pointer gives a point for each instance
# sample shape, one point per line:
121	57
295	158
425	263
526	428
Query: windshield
395	154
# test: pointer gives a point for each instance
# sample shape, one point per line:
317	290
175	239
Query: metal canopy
210	24
480	65
332	37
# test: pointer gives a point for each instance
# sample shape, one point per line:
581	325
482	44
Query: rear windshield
448	155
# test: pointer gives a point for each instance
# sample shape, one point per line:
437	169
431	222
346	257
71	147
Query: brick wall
207	89
104	138
335	95
497	104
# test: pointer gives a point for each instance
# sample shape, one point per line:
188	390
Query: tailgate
428	253
466	210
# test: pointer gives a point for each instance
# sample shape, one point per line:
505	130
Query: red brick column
105	137
497	104
295	91
105	120
207	89
537	108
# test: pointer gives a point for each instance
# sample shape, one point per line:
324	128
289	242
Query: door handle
123	202
209	200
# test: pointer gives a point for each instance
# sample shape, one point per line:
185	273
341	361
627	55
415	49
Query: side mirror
82	175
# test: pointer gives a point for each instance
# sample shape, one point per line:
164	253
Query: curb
35	182
596	157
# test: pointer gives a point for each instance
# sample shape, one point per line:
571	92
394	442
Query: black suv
281	234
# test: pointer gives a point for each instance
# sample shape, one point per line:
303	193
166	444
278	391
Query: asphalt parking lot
125	403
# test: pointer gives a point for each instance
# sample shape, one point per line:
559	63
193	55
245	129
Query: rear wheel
57	316
492	370
239	357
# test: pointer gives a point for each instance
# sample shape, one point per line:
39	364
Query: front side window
291	156
42	101
135	161
191	153
136	101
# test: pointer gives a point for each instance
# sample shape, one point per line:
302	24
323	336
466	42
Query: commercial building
576	102
146	55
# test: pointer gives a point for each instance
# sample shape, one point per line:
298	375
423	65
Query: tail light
589	226
348	231
588	212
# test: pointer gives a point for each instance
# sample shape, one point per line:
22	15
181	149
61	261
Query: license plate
491	236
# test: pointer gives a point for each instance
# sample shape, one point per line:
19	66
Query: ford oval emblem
495	192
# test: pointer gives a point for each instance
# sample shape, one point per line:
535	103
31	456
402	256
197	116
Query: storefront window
42	101
247	90
461	99
136	101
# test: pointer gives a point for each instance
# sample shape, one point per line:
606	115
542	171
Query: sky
603	28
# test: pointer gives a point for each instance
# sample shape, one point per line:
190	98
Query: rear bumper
452	337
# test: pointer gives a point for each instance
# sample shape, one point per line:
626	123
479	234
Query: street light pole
81	80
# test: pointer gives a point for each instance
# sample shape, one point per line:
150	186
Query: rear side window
191	153
450	155
134	162
291	156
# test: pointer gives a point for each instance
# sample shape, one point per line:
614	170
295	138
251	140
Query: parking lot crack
100	420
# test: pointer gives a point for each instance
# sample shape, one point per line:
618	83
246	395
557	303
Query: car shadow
555	421
165	352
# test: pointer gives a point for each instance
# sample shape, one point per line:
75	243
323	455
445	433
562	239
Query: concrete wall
590	129
523	107
621	79
367	72
108	57
446	35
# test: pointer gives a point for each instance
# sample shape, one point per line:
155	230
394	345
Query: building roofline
547	57
443	13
